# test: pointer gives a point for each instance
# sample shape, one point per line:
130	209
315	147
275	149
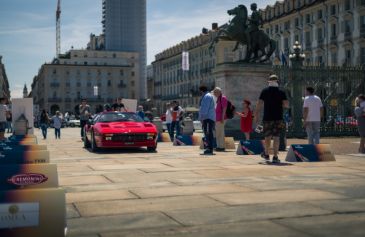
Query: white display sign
16	215
23	106
185	61
130	105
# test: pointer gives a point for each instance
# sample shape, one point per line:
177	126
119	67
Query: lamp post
297	58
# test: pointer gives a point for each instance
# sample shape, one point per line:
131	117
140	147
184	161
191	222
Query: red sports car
120	130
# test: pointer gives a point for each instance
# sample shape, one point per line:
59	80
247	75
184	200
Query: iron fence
336	86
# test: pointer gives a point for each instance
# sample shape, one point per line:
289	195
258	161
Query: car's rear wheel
94	147
72	125
151	148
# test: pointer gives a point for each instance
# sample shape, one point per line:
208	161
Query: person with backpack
220	113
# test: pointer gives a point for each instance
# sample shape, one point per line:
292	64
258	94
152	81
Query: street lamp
297	58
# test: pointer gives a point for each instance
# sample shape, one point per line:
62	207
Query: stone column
241	81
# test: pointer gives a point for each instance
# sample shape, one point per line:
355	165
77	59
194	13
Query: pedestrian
246	119
3	112
312	114
168	116
207	117
360	116
140	112
44	122
9	118
85	113
273	100
176	113
57	124
119	106
220	112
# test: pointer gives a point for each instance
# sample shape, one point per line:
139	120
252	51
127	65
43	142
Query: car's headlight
108	137
151	136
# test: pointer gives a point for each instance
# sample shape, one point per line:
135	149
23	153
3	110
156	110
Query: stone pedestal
241	81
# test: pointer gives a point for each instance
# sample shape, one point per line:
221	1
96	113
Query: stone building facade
4	83
331	32
98	76
173	83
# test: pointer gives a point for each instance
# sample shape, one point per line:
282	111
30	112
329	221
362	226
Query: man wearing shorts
273	100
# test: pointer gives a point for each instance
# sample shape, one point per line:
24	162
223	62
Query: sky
28	29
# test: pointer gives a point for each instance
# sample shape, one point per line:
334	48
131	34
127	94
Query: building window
54	71
286	45
348	57
132	83
307	18
333	10
362	55
333	30
347	26
362	3
319	15
114	55
296	38
319	34
296	22
133	74
334	58
308	38
276	29
347	5
362	22
85	63
109	83
121	72
299	3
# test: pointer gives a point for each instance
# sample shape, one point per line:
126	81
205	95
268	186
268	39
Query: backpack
230	110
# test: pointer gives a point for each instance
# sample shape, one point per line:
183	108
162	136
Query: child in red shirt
246	119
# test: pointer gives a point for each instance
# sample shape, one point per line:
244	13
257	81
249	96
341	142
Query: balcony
55	100
54	84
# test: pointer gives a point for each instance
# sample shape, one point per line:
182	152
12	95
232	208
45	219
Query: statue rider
254	23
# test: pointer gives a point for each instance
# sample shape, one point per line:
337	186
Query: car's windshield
119	117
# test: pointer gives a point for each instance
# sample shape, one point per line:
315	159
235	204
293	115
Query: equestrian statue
246	31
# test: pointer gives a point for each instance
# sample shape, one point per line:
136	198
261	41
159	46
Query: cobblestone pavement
177	192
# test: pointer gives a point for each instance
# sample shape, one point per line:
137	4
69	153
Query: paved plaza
177	192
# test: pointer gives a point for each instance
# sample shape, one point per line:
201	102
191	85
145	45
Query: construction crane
58	30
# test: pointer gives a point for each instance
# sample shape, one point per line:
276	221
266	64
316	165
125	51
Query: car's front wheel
94	147
152	148
86	141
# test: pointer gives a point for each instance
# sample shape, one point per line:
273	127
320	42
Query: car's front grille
129	137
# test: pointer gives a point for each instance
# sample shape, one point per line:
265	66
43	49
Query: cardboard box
13	177
33	213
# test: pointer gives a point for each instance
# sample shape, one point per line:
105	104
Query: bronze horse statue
235	30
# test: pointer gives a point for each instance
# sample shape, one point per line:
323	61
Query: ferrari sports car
119	130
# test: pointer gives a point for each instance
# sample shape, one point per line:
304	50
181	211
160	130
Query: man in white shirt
312	114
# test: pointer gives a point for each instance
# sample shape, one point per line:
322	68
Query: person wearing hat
273	100
246	119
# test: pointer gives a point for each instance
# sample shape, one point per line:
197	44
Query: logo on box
27	179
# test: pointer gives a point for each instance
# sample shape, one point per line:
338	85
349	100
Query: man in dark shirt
119	106
273	100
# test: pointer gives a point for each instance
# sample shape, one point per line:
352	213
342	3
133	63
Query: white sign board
16	215
130	105
23	106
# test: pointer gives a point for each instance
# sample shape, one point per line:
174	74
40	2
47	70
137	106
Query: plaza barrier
310	153
163	137
31	203
250	147
187	140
